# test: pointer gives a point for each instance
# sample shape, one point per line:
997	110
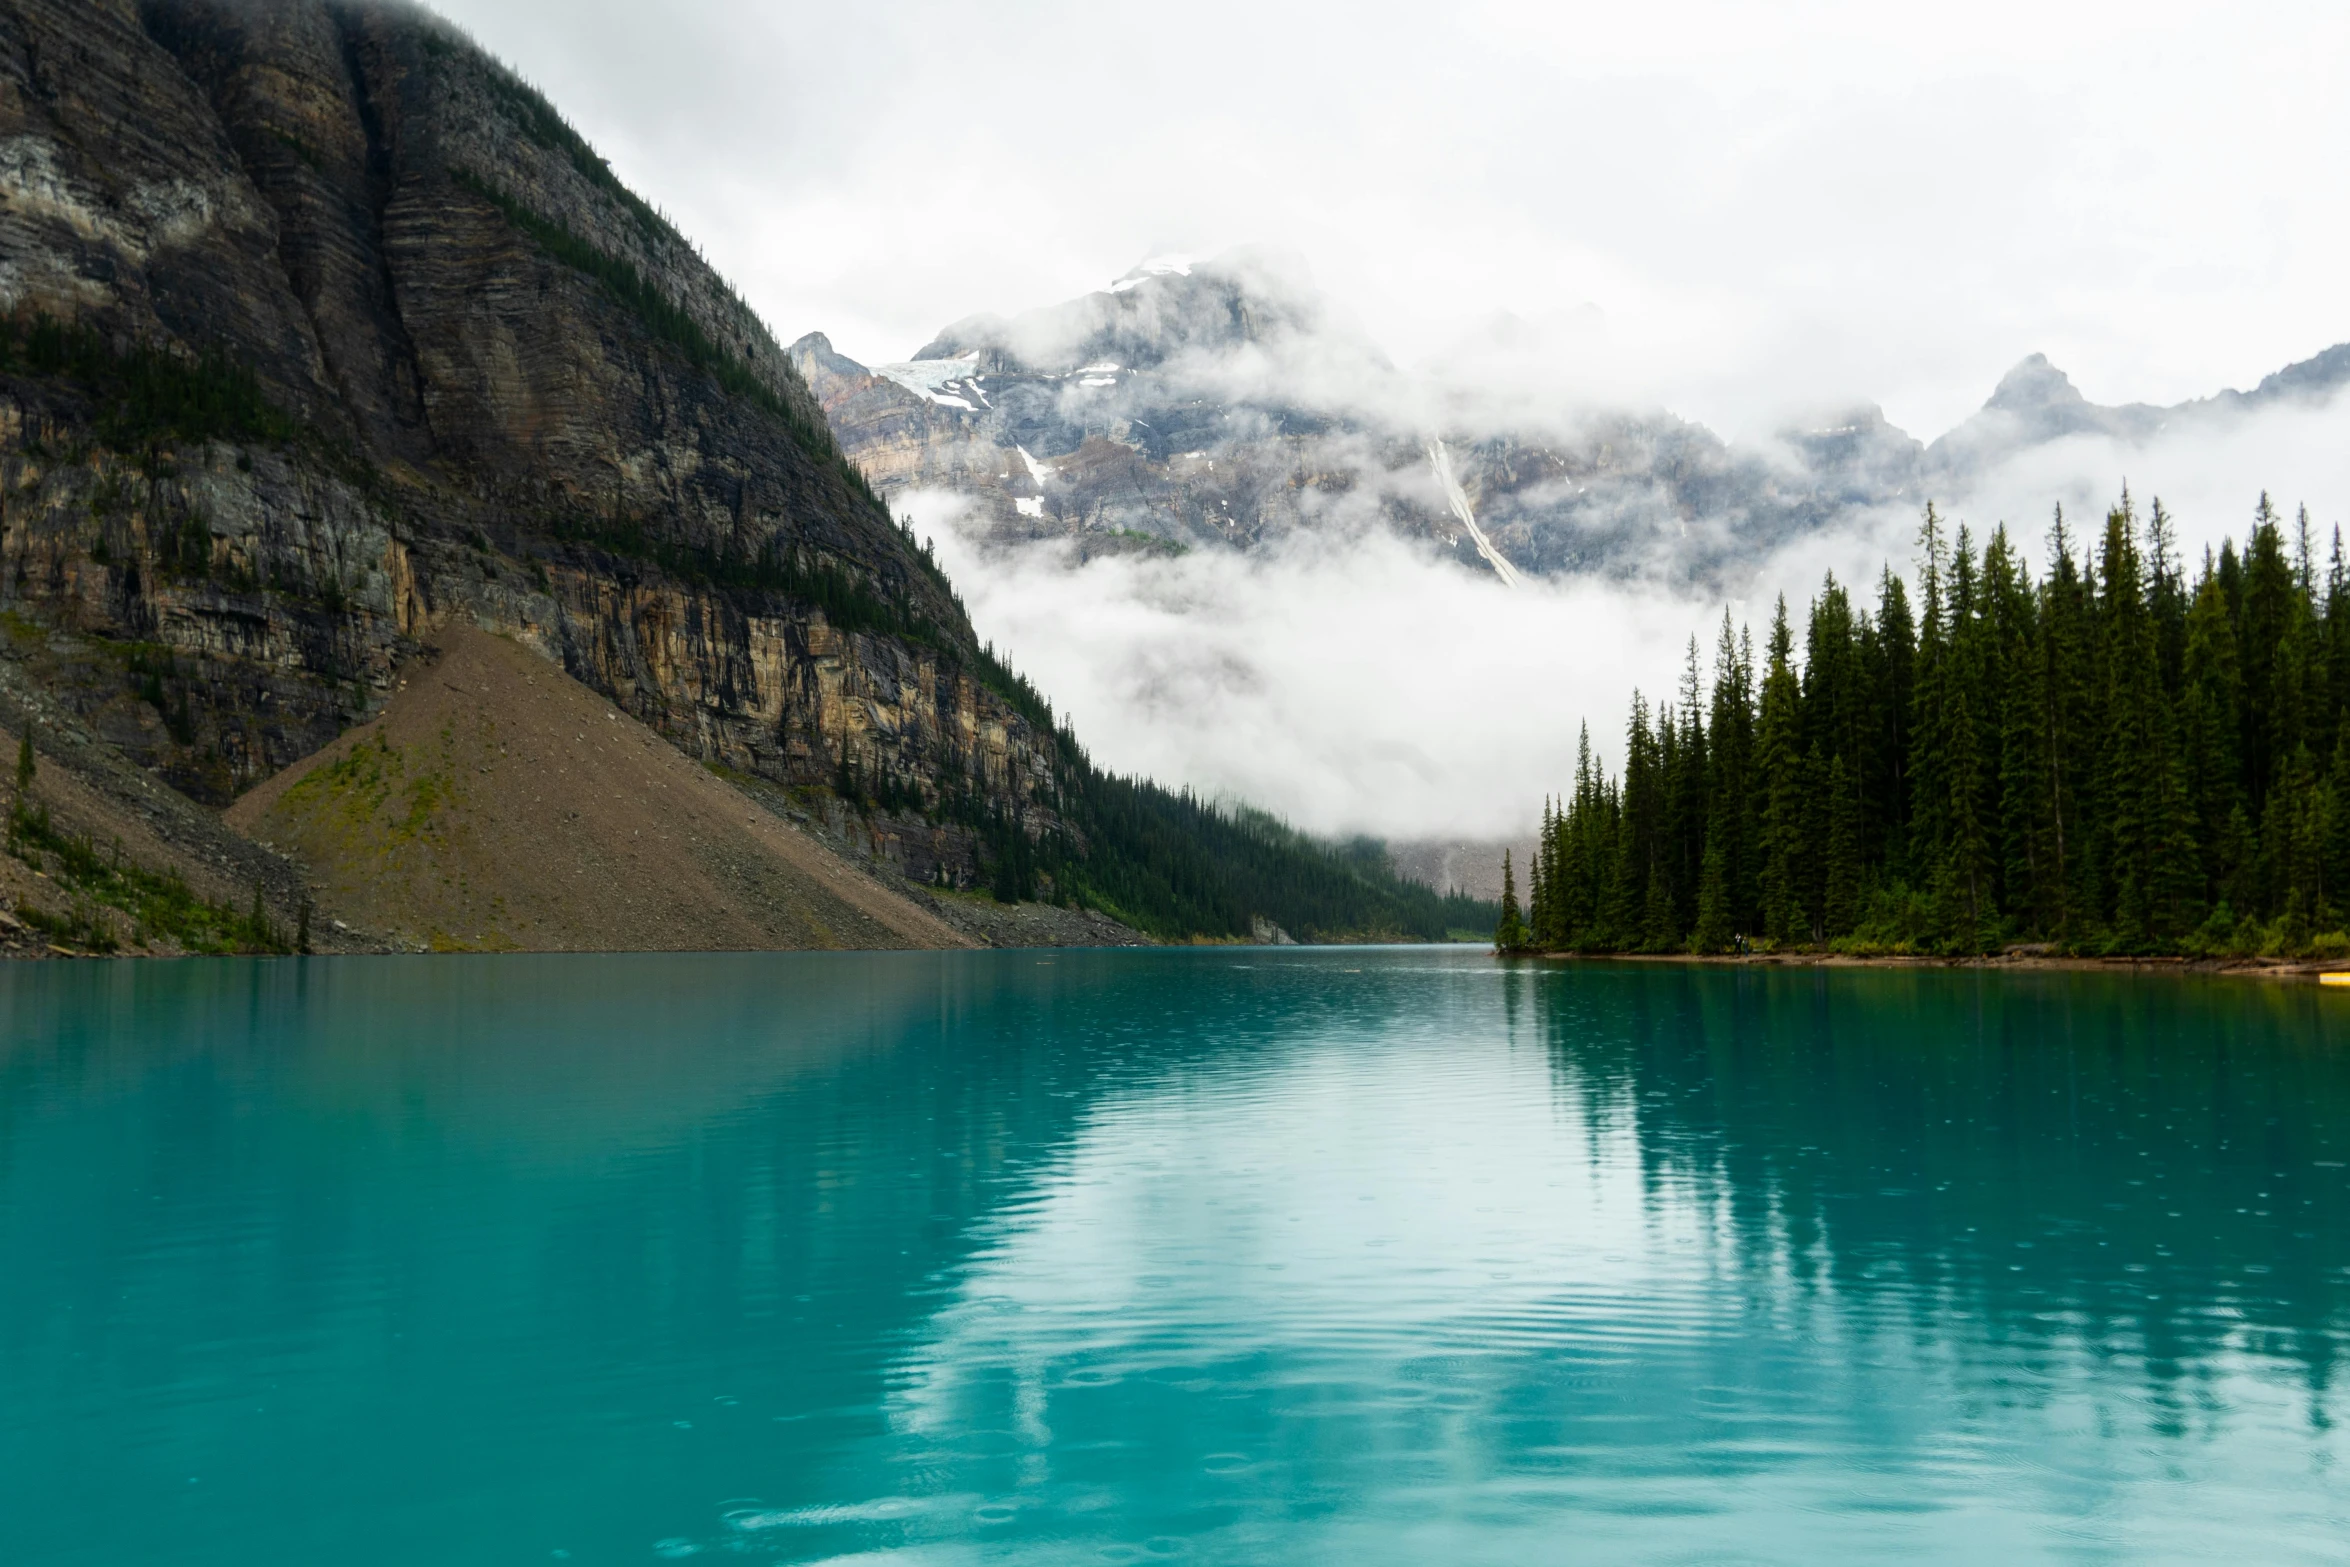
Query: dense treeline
1173	864
2111	759
1178	866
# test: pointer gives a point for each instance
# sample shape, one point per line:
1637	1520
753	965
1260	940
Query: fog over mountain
1724	209
1703	299
1230	404
1204	507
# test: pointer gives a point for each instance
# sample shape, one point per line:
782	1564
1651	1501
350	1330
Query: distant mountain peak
2317	377
2035	386
1150	267
1165	308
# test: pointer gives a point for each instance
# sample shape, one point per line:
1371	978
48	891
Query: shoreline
2019	962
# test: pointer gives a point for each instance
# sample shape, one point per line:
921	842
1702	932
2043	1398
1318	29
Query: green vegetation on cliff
140	397
666	321
158	906
2112	759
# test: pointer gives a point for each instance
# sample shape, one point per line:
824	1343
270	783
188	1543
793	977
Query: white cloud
1807	202
1356	682
2210	479
1730	210
1350	684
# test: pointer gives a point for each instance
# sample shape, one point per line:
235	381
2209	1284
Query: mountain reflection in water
1221	1255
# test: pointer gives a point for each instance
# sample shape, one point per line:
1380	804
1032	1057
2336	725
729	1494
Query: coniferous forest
2114	758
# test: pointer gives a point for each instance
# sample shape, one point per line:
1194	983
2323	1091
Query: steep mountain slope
324	332
1226	404
514	394
498	804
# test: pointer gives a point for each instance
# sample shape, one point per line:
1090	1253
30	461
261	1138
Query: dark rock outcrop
493	386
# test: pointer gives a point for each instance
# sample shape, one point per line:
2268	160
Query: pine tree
1579	869
1688	788
1779	778
2334	637
2166	595
2269	637
2061	692
2135	764
1714	931
1733	818
1836	726
1542	895
1510	934
2023	853
1842	894
1966	878
2210	723
1639	832
1885	784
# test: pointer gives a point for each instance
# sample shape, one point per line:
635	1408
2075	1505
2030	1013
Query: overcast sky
1743	212
1772	207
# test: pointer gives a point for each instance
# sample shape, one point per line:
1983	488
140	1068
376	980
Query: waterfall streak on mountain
1441	461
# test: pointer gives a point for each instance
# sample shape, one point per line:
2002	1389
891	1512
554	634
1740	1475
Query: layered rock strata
329	332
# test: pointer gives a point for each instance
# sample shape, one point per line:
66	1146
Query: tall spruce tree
1885	784
1509	933
1688	789
1844	879
1779	779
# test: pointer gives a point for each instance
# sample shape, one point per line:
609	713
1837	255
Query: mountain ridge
1223	404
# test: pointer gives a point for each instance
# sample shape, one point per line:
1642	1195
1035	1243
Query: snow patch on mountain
950	383
1150	267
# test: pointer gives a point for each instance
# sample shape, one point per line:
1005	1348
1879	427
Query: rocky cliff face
328	331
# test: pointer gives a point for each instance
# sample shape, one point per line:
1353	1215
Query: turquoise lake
1390	1256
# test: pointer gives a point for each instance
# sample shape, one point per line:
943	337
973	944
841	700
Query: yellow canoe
2342	979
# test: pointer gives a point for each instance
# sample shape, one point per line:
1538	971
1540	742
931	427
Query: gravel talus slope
499	804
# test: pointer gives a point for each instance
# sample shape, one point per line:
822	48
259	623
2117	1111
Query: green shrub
159	904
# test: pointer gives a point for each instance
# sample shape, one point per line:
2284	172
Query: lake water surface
1205	1256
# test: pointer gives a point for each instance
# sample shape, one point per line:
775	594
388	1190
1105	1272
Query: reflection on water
1213	1256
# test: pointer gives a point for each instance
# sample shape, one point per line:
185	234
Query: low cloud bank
1350	683
1357	682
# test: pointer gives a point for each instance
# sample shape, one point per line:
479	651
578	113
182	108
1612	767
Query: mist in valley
1720	241
1362	682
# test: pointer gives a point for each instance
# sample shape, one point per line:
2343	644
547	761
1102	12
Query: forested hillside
2116	757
